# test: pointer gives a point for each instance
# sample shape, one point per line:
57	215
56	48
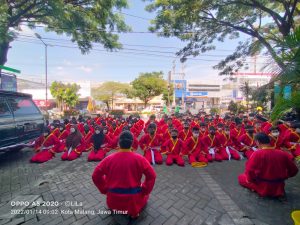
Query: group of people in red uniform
202	138
271	150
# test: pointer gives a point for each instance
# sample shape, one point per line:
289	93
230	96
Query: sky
69	65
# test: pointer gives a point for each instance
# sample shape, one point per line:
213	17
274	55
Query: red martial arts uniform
228	146
62	138
294	139
119	177
173	149
248	145
151	147
195	151
184	135
73	153
212	145
100	153
266	171
46	148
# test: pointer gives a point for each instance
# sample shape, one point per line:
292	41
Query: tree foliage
107	92
247	92
288	75
85	21
148	85
66	95
203	22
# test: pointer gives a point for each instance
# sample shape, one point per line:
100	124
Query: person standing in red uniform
150	143
267	169
128	195
173	148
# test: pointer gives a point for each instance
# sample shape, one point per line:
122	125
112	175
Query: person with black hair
186	132
115	141
173	148
100	145
212	146
150	143
193	148
45	147
64	133
228	145
75	145
248	144
267	169
119	177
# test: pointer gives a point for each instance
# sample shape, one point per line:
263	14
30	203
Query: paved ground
181	196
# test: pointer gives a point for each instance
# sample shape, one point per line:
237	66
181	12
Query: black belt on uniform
125	190
271	181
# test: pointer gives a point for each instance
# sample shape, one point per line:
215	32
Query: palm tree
289	75
247	92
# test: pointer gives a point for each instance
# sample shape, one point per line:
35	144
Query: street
59	192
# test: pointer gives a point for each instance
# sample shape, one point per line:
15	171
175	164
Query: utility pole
183	89
46	69
174	67
169	87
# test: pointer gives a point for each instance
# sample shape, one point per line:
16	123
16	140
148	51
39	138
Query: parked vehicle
21	121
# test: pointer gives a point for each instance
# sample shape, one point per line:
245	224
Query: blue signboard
180	88
196	93
8	82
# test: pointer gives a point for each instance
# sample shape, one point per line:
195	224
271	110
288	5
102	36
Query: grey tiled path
181	196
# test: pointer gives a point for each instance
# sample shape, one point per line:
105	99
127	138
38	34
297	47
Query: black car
20	120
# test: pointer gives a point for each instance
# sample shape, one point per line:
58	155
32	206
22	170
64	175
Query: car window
22	106
4	109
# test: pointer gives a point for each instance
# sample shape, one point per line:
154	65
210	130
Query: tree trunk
107	104
4	46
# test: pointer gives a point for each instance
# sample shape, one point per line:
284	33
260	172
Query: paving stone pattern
181	196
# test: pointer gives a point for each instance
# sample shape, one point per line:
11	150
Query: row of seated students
202	139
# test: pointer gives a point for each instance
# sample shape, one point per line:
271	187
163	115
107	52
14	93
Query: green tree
148	85
71	95
107	92
261	97
66	95
289	75
57	90
247	92
203	22
85	21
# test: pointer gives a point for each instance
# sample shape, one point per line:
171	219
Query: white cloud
86	69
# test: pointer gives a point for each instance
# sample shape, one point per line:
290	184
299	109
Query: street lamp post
46	68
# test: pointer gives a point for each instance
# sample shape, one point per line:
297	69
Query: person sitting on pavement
267	169
128	195
75	144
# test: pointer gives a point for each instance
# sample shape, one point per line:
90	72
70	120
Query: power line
139	17
156	51
132	52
